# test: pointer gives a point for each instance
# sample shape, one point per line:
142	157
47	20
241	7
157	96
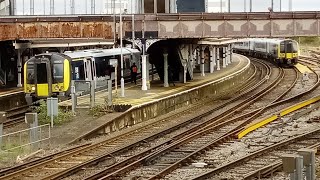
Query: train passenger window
57	73
78	71
30	73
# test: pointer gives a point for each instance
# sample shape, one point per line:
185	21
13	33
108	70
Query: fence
79	88
25	141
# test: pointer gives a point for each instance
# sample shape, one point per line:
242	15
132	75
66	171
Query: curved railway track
182	152
153	145
115	144
122	160
169	161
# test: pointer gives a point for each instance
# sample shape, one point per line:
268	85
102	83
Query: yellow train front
288	52
45	69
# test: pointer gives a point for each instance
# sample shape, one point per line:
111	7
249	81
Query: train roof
100	52
270	40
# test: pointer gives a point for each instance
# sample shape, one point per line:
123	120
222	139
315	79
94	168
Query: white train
280	51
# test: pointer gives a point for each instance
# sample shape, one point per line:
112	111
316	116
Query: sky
82	8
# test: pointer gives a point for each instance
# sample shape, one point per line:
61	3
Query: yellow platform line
255	125
302	68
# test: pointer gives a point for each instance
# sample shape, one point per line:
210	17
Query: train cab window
30	73
282	48
57	73
294	47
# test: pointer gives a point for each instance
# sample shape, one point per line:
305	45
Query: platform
10	91
302	68
135	96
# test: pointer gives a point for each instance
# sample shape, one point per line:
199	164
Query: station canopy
61	43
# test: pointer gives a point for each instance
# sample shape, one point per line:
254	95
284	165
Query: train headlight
33	88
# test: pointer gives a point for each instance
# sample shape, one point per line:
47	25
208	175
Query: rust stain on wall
108	32
70	30
28	30
8	31
96	30
43	30
54	30
12	31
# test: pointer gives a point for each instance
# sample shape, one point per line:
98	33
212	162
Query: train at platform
59	69
283	52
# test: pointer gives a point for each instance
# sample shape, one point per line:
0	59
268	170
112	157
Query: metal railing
79	88
27	137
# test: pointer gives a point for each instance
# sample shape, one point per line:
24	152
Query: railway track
244	167
114	157
16	116
111	145
166	162
125	158
178	153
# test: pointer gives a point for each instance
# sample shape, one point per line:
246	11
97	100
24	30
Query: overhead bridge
163	26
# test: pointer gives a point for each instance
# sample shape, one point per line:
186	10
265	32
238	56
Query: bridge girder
164	26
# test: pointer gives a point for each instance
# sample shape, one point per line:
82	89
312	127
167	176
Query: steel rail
242	159
108	141
190	157
110	154
31	163
277	166
256	154
190	136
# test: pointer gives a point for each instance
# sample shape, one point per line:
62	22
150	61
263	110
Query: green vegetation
13	153
103	109
63	115
308	41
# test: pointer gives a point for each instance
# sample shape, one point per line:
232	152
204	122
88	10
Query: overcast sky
236	5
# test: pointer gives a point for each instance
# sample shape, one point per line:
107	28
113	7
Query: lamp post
121	55
133	31
290	5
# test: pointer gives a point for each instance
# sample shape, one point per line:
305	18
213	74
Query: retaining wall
12	100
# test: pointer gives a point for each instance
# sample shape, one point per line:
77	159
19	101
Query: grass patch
64	115
10	155
102	109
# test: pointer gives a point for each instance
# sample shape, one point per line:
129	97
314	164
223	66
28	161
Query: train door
85	69
93	70
88	69
43	77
